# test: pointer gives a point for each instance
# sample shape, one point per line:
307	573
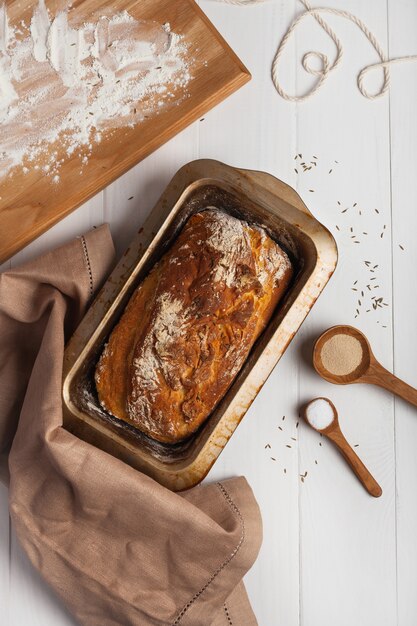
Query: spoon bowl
361	370
331	425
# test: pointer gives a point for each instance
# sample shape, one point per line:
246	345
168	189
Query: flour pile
62	85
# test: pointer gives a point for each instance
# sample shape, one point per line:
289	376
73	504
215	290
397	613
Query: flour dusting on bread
167	326
229	238
191	324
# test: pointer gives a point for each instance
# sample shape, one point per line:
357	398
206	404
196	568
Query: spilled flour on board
63	85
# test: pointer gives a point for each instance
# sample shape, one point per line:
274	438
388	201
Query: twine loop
326	67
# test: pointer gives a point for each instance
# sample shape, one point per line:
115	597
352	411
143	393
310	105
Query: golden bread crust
190	325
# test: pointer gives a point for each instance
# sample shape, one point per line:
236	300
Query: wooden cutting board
30	203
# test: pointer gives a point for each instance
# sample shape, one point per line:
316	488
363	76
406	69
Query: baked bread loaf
190	325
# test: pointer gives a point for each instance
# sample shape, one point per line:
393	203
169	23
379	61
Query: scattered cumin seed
131	198
285	470
376	211
297	425
280	427
315	462
311	190
401	246
356	445
293	438
295	170
330	171
288	446
283	417
272	458
337	227
268	445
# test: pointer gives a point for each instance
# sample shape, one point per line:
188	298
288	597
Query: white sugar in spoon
321	414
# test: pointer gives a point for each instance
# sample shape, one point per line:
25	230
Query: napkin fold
118	548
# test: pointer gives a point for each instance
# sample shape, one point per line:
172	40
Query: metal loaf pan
256	197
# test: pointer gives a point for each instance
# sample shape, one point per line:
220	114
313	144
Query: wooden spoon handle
389	381
356	464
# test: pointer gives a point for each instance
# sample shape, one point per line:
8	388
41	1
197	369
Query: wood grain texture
331	555
31	203
402	36
337	519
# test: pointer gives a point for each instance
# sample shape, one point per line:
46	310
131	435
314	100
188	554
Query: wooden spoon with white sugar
321	414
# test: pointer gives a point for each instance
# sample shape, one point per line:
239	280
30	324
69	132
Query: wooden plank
347	554
257	129
29	204
403	94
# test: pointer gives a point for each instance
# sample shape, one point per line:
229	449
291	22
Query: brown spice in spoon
341	354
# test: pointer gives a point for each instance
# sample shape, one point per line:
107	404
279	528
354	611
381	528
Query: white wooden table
332	555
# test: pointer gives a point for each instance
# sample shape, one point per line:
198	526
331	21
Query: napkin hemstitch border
237	512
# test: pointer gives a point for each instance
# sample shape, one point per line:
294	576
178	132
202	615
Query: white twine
326	66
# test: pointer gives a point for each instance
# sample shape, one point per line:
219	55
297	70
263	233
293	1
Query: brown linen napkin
118	548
